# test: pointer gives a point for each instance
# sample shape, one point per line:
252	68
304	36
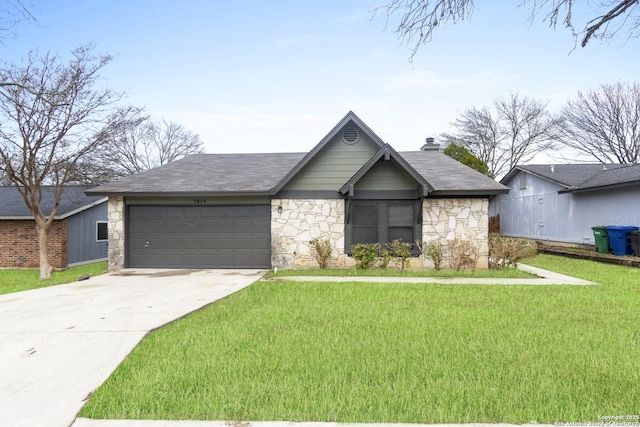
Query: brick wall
19	244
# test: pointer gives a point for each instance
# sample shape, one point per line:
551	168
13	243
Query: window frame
98	239
383	220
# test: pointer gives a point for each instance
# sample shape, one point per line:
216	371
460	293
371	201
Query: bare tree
47	129
604	124
13	12
517	129
147	145
420	18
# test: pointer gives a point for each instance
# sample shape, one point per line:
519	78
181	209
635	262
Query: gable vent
350	135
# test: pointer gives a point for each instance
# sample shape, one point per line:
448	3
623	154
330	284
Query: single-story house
77	235
560	203
261	210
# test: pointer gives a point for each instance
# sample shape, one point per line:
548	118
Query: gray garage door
199	236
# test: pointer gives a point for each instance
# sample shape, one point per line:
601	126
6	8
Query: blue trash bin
619	239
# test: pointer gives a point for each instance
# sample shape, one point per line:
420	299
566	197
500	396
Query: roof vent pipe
553	168
430	145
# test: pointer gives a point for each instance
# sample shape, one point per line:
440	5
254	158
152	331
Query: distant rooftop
73	199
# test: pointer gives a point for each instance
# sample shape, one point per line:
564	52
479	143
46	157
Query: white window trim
97	226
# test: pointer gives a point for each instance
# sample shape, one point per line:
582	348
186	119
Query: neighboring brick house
261	210
77	235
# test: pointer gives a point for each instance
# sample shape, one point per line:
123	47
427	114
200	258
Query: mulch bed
628	260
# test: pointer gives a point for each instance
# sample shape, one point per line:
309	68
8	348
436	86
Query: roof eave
599	187
182	193
468	193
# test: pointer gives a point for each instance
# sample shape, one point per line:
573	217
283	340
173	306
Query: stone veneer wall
115	215
300	221
443	220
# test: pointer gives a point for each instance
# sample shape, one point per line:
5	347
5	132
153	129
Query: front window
382	221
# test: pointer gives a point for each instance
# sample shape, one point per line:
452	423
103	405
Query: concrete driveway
58	344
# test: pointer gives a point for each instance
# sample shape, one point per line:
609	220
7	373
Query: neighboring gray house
560	203
261	210
77	235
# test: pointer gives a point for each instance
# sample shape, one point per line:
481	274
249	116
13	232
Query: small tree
53	117
461	154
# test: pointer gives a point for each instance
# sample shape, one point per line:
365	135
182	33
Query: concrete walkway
545	277
58	344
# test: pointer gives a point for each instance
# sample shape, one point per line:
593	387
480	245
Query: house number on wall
199	201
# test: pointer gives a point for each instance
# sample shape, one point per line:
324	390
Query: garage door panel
199	237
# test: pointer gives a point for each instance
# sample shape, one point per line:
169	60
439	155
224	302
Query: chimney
430	145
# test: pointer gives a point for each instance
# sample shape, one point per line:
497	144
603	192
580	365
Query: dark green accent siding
386	176
334	165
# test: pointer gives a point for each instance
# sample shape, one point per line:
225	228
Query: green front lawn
22	280
395	353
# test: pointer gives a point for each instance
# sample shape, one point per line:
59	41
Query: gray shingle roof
579	177
448	176
73	198
208	174
219	174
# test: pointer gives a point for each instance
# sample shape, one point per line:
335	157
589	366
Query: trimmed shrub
365	254
507	251
321	250
432	251
400	251
464	254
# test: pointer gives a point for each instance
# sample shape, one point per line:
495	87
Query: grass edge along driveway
394	353
16	280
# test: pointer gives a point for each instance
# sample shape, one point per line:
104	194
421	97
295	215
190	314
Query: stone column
115	253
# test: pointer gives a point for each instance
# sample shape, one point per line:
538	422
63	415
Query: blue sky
258	76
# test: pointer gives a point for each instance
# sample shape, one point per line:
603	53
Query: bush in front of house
401	251
464	254
508	251
432	251
365	254
321	250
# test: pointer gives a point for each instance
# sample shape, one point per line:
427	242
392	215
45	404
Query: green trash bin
602	239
